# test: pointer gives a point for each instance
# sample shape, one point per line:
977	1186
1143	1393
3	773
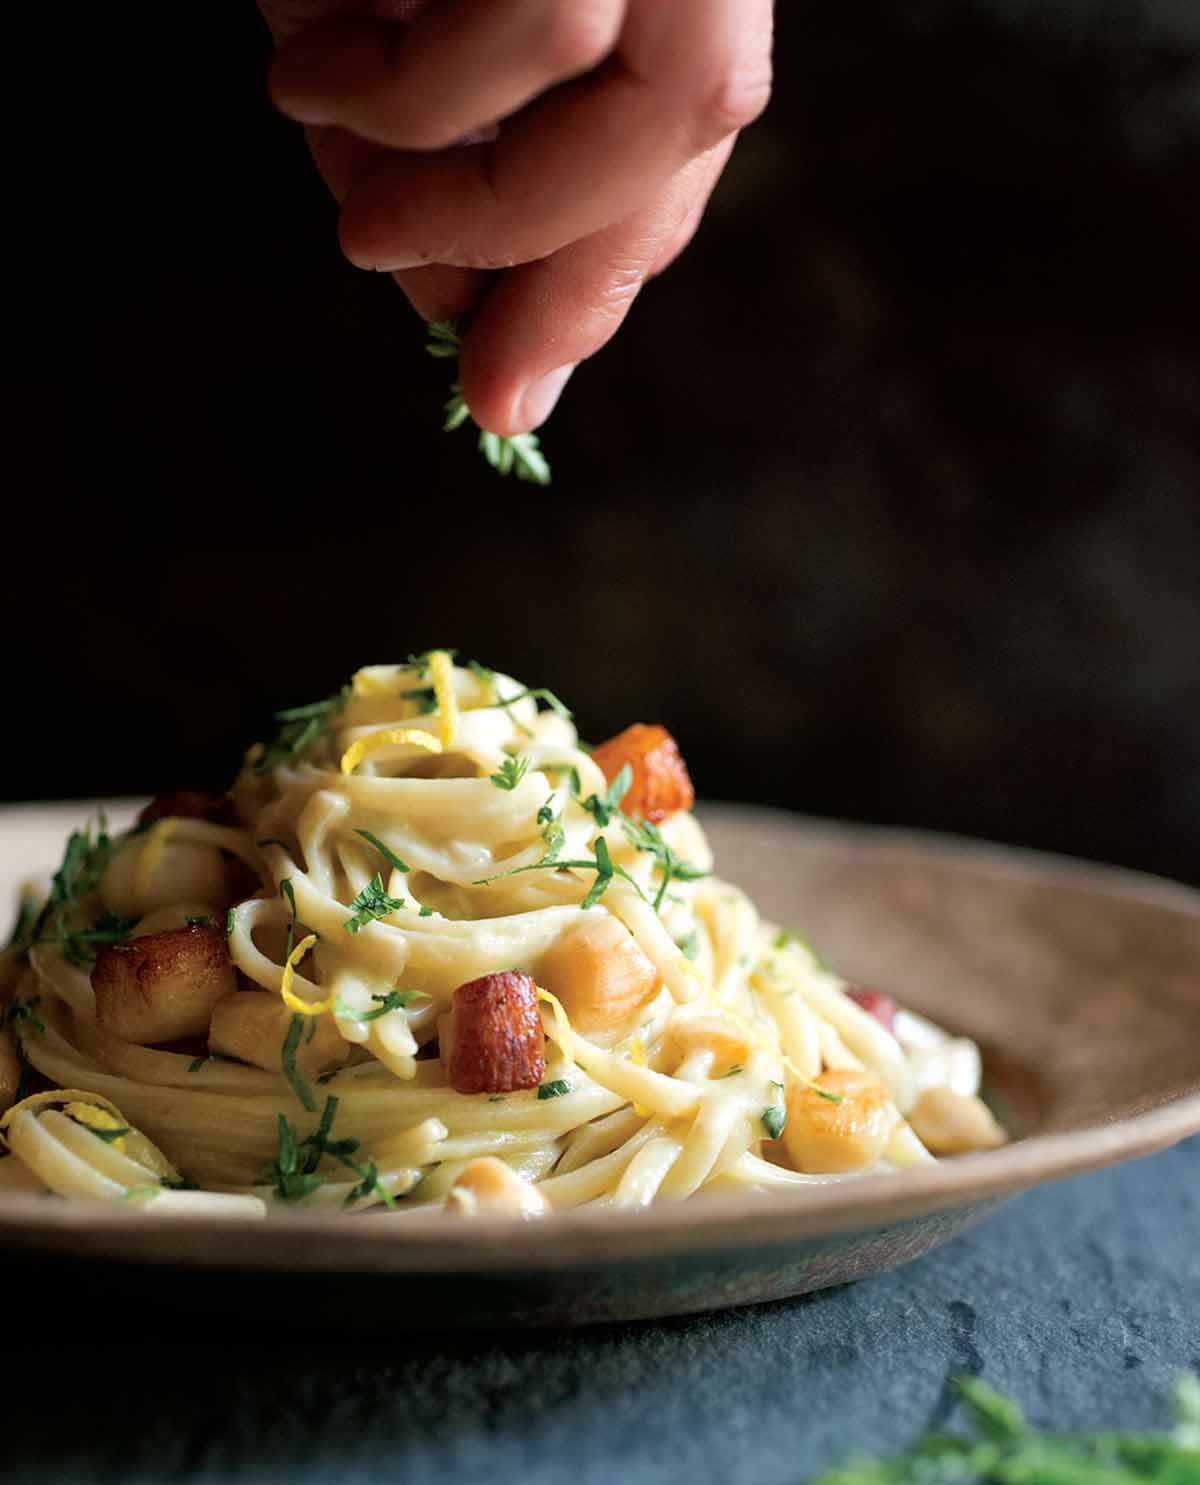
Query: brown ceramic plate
1081	983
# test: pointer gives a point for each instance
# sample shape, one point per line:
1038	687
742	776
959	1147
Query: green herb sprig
385	851
555	1089
1004	1450
520	454
294	1171
302	726
370	904
83	864
392	1001
510	773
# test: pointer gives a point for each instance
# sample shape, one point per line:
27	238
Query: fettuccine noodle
257	1006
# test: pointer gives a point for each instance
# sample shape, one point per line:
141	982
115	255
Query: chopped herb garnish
788	936
370	904
83	864
328	1077
22	1013
774	1119
646	837
108	1135
302	726
605	806
287	890
392	1001
230	922
288	1061
1004	1450
424	698
385	851
196	1064
604	874
290	1182
201	920
733	1071
520	453
510	773
556	1089
22	931
689	945
426	912
496	1098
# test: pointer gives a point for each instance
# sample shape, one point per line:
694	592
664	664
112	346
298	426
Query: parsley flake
555	1089
385	851
288	1062
371	904
302	726
773	1120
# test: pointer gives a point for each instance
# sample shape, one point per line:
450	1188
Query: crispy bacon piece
163	986
497	1043
875	1003
661	785
189	804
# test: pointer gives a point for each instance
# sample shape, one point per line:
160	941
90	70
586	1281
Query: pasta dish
431	954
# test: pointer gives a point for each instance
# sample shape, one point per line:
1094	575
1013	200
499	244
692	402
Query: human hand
617	118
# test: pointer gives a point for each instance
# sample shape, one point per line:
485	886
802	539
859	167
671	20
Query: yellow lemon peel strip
387	737
441	668
756	1040
290	998
94	1117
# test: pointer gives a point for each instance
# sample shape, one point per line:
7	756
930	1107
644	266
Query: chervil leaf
510	773
521	452
604	806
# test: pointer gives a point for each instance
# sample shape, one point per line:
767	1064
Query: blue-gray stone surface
1082	1299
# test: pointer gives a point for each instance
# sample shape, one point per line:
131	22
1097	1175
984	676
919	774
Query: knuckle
736	99
579	33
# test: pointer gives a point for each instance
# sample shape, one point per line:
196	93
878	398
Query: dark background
886	500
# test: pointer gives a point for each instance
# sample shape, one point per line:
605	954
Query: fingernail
540	397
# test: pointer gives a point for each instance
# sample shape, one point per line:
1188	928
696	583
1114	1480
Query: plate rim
422	1243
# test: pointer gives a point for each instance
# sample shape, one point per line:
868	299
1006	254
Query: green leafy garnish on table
521	454
1004	1450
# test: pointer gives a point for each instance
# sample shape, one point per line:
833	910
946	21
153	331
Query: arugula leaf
773	1121
555	1089
510	773
288	1062
385	851
522	452
371	903
302	726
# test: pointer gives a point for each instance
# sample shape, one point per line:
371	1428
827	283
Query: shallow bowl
1081	983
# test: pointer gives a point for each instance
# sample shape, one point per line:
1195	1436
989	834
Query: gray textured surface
1082	1299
